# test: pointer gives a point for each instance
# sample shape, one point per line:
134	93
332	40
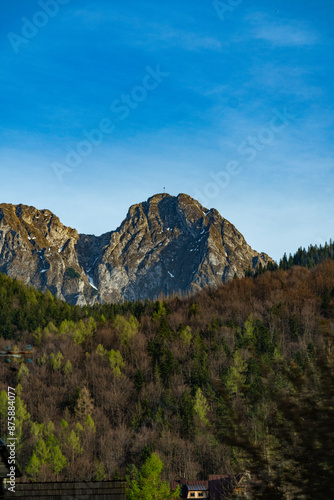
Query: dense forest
308	258
305	258
230	380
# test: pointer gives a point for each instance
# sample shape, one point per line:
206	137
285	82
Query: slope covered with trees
235	379
310	257
304	258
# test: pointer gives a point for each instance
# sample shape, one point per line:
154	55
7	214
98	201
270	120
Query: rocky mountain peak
165	245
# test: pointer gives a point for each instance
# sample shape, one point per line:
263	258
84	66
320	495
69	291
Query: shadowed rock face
166	244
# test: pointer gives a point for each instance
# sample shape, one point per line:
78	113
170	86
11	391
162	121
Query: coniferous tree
146	483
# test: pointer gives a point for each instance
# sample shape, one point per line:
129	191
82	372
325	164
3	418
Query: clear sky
106	102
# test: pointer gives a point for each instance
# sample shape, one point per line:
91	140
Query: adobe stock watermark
11	439
226	6
248	148
121	107
31	27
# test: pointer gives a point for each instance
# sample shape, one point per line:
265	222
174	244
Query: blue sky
230	102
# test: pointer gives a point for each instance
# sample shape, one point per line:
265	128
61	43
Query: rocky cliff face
36	248
166	244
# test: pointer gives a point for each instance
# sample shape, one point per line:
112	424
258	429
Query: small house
196	491
218	487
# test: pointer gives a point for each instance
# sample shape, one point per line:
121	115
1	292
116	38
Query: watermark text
11	439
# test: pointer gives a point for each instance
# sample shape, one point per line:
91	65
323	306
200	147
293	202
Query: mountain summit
164	245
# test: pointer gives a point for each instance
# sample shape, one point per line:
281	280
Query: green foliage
33	467
91	327
146	484
193	309
64	425
56	361
74	443
163	360
295	328
116	362
79	331
57	460
41	451
164	331
3	404
84	331
67	368
36	429
22	373
200	369
167	366
66	326
310	257
240	386
201	406
185	334
126	328
139	379
52	328
100	350
43	360
249	328
99	471
24	309
114	358
38	337
49	428
160	310
264	344
79	428
237	374
22	417
296	455
32	310
186	412
90	423
45	453
71	273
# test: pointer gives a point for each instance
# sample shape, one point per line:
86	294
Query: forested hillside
305	258
240	378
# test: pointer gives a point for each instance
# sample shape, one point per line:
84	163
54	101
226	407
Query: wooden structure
97	490
4	467
196	491
217	487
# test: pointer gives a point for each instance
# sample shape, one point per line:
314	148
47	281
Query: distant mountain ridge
165	245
